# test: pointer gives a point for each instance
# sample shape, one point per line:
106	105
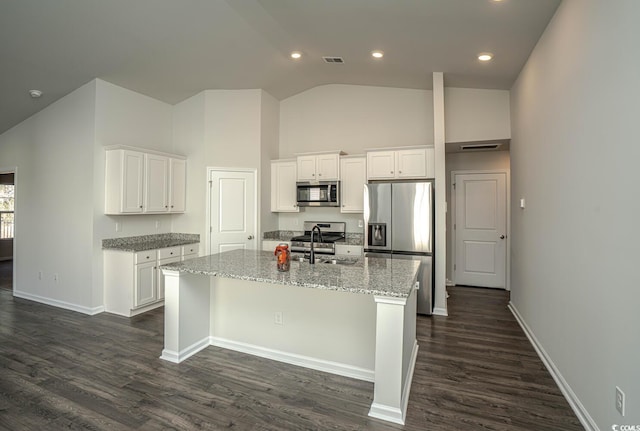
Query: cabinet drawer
165	253
145	256
190	250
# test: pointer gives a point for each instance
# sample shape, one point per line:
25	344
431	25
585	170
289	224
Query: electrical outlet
278	318
118	227
157	224
55	277
620	401
360	223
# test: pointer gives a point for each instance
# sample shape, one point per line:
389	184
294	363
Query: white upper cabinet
140	182
283	186
354	177
401	164
319	167
156	190
178	186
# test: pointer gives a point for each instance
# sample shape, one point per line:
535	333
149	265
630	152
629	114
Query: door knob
502	236
250	237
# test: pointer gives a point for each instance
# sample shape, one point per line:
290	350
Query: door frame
208	228
13	170
507	173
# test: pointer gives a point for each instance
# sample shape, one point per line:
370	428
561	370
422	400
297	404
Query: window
6	210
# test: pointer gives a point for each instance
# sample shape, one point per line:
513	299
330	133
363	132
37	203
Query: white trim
409	379
452	206
394	300
440	312
60	304
294	359
187	352
144	150
386	413
581	412
14	170
210	170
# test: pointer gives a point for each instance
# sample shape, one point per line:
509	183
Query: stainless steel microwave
318	194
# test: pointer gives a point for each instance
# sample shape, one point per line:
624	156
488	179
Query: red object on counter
283	257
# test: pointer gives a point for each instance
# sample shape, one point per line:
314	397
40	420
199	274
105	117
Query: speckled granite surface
373	276
150	242
354	238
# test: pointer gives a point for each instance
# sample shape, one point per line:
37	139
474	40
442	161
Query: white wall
54	153
574	157
489	160
353	118
476	115
222	129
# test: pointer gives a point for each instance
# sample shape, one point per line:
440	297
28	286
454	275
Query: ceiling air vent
480	146
333	59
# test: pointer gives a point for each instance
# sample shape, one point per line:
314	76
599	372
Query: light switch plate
522	203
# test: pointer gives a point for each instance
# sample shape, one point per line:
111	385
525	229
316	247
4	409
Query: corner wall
574	157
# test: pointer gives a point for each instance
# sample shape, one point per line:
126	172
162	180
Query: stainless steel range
325	243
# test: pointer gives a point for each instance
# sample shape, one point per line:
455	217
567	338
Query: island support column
396	352
186	314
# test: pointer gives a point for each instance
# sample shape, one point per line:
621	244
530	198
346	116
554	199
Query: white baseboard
60	304
440	312
386	413
187	352
294	359
583	416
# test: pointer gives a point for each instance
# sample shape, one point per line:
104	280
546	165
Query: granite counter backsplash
286	235
150	242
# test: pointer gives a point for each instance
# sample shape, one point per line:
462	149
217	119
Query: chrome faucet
312	254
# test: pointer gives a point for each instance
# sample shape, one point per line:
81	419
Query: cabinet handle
166	206
391	171
147	257
171	206
140	206
399	172
319	175
171	253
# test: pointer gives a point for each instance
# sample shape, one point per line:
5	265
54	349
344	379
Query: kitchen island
356	320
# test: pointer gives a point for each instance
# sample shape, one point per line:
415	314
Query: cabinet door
381	165
412	163
306	168
328	167
145	284
178	185
354	176
190	251
132	181
156	183
283	187
160	276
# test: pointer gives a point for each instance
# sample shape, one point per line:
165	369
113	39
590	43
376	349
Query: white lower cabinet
133	282
348	250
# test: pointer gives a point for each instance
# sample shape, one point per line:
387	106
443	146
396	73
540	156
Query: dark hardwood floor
6	274
63	370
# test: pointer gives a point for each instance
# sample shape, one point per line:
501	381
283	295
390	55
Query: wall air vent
480	147
333	59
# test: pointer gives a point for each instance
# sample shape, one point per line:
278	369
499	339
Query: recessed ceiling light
377	54
485	56
35	93
296	55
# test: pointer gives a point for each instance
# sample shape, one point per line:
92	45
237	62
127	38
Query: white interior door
481	229
233	210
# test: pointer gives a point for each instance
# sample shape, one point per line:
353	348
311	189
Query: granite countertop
150	242
373	276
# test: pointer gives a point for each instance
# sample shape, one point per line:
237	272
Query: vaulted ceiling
171	50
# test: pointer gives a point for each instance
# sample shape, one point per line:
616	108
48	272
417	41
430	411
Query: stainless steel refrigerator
399	224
